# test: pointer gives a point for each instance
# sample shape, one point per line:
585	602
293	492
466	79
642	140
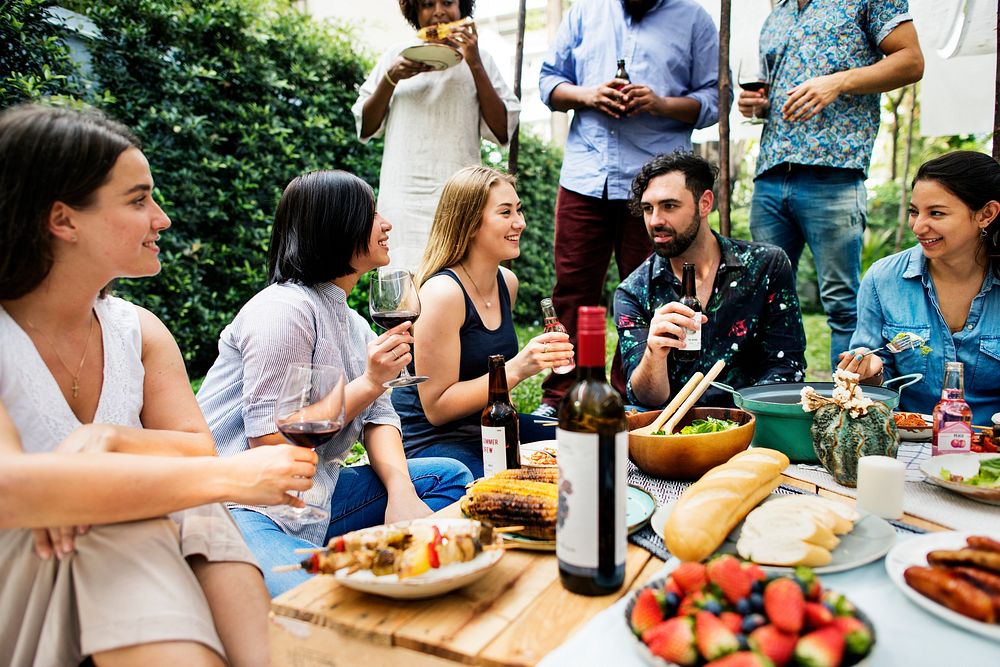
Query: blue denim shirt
674	50
897	295
824	37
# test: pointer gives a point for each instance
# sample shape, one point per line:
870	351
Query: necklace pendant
489	305
76	388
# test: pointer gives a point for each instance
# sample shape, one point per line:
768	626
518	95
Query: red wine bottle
593	445
550	323
501	441
394	318
692	339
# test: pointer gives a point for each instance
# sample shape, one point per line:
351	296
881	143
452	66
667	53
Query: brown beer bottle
622	73
692	339
501	442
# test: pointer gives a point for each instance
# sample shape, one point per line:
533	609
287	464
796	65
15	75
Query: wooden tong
688	395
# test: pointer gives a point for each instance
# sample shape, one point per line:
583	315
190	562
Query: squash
840	439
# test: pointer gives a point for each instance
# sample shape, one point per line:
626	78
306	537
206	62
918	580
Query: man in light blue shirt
671	54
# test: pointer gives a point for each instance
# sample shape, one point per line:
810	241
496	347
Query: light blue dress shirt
897	295
674	50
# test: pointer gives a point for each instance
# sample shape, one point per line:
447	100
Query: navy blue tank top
477	344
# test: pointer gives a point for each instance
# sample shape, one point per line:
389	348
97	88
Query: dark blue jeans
827	208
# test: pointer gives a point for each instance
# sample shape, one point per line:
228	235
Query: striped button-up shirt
281	325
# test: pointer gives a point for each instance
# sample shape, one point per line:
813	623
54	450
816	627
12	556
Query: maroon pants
588	229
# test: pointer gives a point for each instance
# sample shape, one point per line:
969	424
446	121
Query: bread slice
844	515
789	553
788	524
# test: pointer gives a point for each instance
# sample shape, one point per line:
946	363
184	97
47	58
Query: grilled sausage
981	558
985	581
948	589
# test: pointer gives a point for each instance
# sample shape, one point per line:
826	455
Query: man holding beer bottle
749	312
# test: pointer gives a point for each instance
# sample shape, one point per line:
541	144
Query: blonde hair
458	217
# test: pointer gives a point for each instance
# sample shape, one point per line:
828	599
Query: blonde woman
467	302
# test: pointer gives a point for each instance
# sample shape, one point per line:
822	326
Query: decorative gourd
841	439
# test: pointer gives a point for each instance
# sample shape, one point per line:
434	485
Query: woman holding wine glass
467	303
326	235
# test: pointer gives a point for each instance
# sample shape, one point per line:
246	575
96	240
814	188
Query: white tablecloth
906	634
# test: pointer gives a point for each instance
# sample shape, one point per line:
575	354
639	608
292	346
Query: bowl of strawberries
729	613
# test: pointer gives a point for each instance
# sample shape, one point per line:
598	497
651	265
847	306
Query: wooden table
513	616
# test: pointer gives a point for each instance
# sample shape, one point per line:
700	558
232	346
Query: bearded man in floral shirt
750	317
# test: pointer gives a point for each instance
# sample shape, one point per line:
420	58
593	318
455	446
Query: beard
682	240
637	8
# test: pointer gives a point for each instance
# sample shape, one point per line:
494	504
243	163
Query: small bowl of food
704	438
541	454
913	426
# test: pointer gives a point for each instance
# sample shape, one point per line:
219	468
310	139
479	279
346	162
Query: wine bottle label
494	450
955	438
582	519
692	339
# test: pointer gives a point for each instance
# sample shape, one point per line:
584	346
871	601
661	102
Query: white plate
529	448
429	584
914	552
916	434
871	539
966	465
438	56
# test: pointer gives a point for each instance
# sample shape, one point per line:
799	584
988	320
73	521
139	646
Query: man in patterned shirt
829	61
751	315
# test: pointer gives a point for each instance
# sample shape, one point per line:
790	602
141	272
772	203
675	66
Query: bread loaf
709	509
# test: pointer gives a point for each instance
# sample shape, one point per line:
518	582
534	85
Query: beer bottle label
494	450
692	339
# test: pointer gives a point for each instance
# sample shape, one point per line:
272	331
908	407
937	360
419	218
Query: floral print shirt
824	37
754	322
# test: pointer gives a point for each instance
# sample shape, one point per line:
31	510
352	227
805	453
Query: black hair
48	155
410	9
974	178
323	219
699	175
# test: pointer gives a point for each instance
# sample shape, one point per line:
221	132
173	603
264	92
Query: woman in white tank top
87	383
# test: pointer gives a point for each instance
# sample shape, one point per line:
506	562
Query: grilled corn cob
548	474
501	501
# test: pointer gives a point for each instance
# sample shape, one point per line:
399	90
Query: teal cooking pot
783	425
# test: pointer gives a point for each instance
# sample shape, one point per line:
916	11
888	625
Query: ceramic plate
438	56
966	465
871	539
656	661
431	583
914	552
916	433
530	448
639	507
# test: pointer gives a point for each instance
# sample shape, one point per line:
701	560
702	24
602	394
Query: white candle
880	486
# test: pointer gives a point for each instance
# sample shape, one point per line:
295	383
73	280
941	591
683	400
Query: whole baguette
709	509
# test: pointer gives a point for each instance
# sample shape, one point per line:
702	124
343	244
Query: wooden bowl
688	456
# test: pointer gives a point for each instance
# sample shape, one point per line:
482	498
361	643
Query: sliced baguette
788	524
845	515
789	553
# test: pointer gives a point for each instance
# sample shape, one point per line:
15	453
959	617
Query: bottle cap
591	319
546	302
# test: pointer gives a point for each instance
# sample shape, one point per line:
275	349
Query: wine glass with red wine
754	75
392	300
309	412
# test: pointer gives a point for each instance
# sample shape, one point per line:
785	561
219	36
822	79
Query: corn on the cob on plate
504	500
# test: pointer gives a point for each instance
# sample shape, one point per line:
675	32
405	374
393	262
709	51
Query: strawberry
691	604
732	620
690	577
840	605
714	639
673	640
754	570
726	573
648	610
857	636
817	615
772	642
809	583
672	587
820	648
785	605
741	659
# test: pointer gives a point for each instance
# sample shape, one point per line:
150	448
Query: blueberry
756	602
758	586
672	600
713	606
752	622
743	607
742	639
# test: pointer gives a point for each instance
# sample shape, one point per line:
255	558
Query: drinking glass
309	412
754	75
392	300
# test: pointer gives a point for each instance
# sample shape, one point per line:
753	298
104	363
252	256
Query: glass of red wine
392	300
309	412
753	76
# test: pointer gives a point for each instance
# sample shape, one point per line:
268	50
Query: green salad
710	425
988	476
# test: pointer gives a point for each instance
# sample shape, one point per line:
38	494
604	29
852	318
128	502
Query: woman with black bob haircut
326	235
945	289
96	385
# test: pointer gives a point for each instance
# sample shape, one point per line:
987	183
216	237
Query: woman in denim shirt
945	290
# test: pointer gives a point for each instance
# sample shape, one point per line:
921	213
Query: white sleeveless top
32	397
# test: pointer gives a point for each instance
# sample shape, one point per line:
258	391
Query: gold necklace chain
76	376
469	275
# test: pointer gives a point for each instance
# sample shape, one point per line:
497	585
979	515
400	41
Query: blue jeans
359	501
827	208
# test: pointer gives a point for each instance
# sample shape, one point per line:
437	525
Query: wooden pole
518	65
725	85
904	185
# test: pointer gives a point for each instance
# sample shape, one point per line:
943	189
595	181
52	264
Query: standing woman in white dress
432	122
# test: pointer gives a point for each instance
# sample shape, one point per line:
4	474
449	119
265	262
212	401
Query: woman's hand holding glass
389	354
393	301
547	350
